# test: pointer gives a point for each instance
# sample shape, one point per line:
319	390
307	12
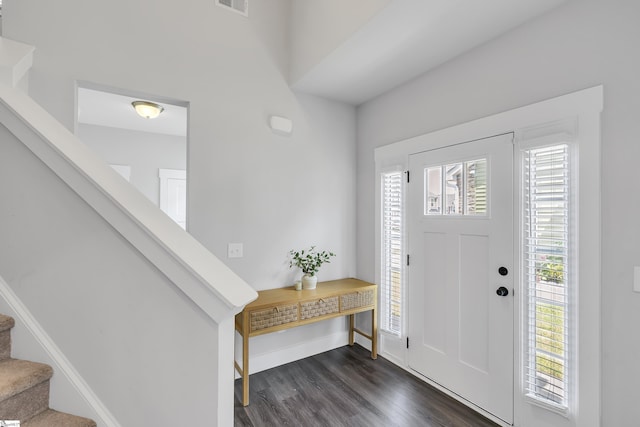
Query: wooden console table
284	308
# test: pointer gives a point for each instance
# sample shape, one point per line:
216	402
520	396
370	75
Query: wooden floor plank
344	387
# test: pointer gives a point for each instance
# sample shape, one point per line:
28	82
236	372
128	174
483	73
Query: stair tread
51	418
18	375
6	322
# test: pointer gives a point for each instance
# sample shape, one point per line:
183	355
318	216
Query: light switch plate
234	250
636	279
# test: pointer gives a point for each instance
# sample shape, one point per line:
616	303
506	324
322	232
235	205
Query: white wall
246	184
63	390
320	27
579	45
147	351
145	152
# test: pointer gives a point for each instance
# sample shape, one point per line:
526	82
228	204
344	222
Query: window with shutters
392	274
548	274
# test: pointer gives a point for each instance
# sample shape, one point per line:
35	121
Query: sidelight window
392	274
548	273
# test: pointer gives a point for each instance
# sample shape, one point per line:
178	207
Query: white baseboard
53	356
364	342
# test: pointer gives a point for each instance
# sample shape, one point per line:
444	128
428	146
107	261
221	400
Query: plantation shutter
547	274
392	267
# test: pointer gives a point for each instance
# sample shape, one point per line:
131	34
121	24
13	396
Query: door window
456	188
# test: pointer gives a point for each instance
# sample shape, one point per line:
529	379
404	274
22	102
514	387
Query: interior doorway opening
137	147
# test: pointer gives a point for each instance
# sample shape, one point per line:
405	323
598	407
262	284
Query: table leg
351	328
374	334
245	368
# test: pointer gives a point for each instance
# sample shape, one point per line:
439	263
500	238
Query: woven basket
318	308
263	319
357	299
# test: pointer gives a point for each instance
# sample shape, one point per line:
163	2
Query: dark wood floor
345	387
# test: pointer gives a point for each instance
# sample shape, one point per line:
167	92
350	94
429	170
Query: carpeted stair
24	389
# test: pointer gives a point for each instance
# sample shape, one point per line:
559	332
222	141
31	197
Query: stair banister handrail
214	287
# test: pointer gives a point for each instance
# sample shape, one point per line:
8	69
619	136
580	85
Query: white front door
461	275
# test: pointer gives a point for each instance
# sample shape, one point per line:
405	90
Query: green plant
551	271
309	261
550	330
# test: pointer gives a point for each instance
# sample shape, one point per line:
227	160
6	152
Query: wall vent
239	6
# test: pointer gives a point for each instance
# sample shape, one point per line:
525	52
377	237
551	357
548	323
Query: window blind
547	270
392	267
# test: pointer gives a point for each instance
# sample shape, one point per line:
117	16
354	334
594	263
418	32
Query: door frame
583	108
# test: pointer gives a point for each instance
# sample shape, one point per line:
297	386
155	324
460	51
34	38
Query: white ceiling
409	37
405	39
101	108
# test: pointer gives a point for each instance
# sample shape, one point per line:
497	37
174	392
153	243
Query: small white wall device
281	125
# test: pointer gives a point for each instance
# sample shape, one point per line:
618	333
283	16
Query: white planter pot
309	282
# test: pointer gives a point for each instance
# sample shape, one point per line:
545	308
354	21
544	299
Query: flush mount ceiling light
146	109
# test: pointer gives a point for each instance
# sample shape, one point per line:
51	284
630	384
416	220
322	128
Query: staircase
24	389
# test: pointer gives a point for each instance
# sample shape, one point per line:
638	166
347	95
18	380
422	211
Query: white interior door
173	195
460	223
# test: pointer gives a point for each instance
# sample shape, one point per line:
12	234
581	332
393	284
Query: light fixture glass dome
146	109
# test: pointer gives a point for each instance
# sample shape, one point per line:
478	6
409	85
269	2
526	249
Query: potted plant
309	261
